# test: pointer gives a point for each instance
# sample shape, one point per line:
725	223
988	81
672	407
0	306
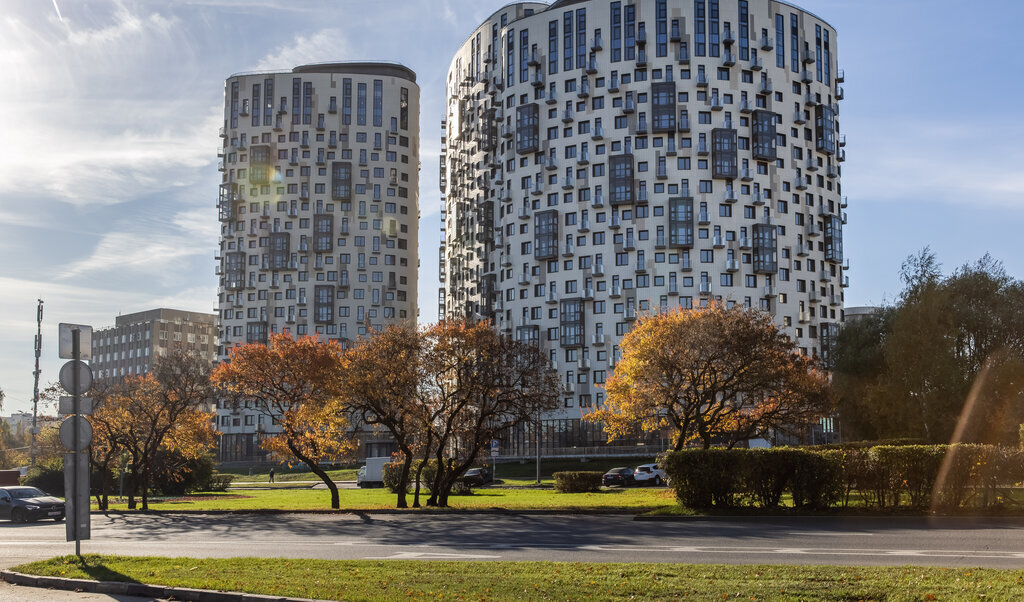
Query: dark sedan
618	476
25	504
477	476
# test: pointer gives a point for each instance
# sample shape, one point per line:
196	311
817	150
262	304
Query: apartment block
130	346
319	212
603	160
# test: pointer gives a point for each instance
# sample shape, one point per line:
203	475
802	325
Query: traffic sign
76	498
67	377
67	405
67	433
495	446
84	341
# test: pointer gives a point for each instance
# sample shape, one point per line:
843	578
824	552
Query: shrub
768	473
219	482
176	475
703	478
817	482
393	470
47	475
461	487
577	481
911	469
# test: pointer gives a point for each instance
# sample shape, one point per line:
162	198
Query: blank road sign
67	377
67	433
84	341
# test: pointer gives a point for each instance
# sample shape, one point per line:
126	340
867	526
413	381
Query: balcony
811	164
703	218
598	201
746	175
730	194
552	297
641	127
597	133
615	223
584	225
568	116
823	275
755	63
592	65
613	83
843	202
840	93
534	59
552	97
840	76
808	56
537	79
670	149
524	213
717	241
832	171
702	79
765	87
767	43
616	291
801	249
702	148
630	313
732	265
629	105
805	76
583	158
812	295
800	183
641	37
728	58
759	198
673	287
685	265
596	43
805	316
845	283
584	90
569	250
769	290
745	106
716	102
798	117
705	289
550	163
598	269
588	293
684	122
524	279
597	339
744	242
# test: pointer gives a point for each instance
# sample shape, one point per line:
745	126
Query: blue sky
108	163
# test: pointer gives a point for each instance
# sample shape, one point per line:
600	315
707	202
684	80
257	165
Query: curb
119	588
382	511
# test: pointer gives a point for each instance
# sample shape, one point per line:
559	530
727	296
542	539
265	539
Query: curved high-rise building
606	159
318	207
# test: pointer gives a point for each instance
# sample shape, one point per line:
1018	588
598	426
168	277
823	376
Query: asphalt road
610	538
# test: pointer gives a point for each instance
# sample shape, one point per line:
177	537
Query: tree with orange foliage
165	410
380	382
713	375
296	384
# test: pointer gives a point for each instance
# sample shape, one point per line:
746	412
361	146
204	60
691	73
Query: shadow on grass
92	565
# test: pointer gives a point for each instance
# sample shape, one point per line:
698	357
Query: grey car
26	504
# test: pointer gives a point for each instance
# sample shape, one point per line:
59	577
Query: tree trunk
145	487
403	480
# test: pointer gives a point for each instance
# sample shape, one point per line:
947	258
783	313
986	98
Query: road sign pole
76	353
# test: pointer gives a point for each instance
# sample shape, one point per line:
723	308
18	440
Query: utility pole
35	390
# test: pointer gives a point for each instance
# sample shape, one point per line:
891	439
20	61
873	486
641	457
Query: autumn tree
476	385
713	375
297	385
380	377
164	410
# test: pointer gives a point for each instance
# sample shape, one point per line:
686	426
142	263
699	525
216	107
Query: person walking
271	475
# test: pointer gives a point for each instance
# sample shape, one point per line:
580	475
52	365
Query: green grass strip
638	499
404	579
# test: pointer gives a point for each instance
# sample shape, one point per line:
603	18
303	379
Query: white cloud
323	46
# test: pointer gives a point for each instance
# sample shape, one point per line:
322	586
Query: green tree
946	341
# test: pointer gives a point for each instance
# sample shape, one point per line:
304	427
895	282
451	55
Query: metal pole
35	390
538	450
76	355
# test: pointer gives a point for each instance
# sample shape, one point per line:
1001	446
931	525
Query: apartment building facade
602	160
319	212
132	344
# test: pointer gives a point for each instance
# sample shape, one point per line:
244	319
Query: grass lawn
402	579
638	499
284	475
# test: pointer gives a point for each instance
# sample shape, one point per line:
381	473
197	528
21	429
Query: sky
108	163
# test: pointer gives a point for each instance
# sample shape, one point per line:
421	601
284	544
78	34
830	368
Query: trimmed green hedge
577	481
884	476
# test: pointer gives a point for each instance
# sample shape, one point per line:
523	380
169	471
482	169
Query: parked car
477	476
650	474
27	504
618	476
